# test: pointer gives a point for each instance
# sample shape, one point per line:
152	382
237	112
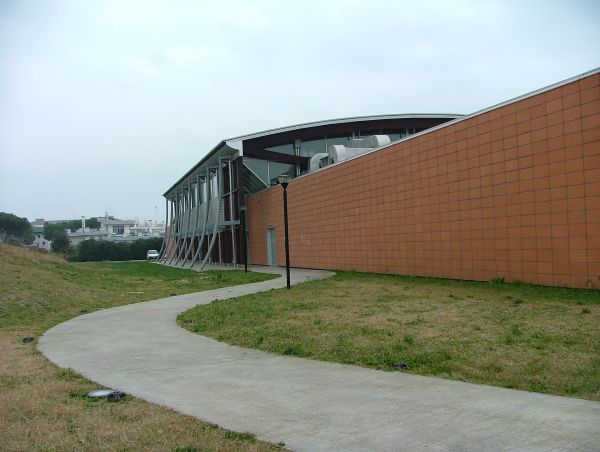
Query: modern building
511	191
206	206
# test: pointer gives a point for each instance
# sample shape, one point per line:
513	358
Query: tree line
103	250
18	231
15	229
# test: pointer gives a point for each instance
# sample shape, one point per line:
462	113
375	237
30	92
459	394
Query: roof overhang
233	147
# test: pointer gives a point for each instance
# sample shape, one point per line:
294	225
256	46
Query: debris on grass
28	339
108	394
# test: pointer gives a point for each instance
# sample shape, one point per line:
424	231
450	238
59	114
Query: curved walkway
308	405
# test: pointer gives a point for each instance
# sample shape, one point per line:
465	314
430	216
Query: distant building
116	230
78	236
39	241
116	227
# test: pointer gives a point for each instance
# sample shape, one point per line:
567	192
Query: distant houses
111	229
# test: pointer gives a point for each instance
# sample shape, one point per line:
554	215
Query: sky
105	104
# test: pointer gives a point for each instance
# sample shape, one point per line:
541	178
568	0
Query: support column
178	224
218	213
207	202
163	244
190	249
231	215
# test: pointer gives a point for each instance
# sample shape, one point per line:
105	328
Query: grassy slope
41	290
41	406
533	338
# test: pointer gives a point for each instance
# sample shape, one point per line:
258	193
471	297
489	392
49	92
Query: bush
60	244
102	250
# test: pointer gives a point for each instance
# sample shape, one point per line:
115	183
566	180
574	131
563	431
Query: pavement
308	405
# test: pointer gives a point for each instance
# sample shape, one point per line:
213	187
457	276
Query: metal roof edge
327	122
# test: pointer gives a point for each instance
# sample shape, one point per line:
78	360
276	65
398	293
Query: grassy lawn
539	339
43	407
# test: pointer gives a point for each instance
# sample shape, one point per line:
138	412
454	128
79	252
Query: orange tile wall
513	193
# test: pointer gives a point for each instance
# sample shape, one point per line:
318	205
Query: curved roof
328	122
234	144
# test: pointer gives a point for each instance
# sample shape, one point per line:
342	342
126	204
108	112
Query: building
206	206
511	191
39	241
115	227
79	235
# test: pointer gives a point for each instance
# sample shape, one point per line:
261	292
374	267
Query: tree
60	242
16	228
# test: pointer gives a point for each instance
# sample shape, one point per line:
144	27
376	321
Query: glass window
311	147
282	149
259	167
344	139
368	133
278	169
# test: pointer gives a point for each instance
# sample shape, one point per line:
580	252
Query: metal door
271	247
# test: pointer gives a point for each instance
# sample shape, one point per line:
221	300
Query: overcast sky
105	104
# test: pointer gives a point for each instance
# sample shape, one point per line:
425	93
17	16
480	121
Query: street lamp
244	232
284	179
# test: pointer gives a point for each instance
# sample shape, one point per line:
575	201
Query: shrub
102	250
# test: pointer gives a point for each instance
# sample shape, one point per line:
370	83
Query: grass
518	336
43	407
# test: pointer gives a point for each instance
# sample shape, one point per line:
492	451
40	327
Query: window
118	229
282	149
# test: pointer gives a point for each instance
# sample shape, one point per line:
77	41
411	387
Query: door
271	247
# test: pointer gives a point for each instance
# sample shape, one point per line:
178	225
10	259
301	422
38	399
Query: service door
271	247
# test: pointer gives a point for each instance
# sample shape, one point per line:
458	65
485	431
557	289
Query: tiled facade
513	192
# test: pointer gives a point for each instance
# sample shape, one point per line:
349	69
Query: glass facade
308	148
282	149
258	172
268	171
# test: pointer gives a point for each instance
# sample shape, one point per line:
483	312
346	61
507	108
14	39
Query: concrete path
308	405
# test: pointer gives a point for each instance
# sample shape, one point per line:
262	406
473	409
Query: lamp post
283	181
244	232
